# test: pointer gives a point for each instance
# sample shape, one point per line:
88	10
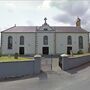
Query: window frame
10	42
80	41
21	40
45	29
45	40
69	40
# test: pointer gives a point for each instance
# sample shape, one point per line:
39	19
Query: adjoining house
45	39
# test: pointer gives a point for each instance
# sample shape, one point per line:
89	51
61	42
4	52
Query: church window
45	29
69	40
80	42
10	42
21	40
45	40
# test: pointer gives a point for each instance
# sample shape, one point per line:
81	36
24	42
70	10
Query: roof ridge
26	26
63	26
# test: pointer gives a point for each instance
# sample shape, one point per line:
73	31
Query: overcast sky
32	12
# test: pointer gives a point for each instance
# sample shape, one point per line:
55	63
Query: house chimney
78	22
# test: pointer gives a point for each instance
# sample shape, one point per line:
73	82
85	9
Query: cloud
65	18
72	9
12	5
45	4
76	8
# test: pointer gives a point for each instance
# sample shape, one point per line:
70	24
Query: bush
80	52
16	56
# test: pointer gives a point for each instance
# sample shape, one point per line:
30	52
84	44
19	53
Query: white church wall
4	43
29	43
76	43
5	49
50	42
61	42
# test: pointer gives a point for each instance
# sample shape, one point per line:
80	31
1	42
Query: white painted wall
61	42
50	42
29	43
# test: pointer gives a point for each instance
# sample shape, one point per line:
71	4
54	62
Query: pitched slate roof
21	29
67	29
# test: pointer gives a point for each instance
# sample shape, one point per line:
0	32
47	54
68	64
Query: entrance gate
50	63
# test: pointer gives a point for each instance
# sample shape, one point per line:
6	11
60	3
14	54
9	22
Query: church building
44	39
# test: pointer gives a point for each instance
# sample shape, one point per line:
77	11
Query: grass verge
12	59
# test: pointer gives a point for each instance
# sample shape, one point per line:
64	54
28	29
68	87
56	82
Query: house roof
57	28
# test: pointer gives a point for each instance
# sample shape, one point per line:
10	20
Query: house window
45	40
10	42
21	40
80	42
69	40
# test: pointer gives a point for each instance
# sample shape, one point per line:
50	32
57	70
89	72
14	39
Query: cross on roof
45	19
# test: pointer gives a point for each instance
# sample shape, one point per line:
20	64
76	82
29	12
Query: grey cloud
76	8
72	9
65	18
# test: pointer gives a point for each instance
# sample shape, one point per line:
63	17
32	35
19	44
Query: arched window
69	40
45	29
10	42
80	42
21	40
45	40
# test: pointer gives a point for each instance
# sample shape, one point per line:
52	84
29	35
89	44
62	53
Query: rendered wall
29	43
19	68
61	42
40	44
69	63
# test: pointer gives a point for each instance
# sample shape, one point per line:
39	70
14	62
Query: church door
21	50
45	50
69	49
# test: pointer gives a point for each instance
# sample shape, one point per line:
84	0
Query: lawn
12	59
80	55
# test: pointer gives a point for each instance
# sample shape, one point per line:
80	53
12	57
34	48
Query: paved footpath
77	79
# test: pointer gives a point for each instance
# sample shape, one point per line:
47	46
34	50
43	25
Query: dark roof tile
33	29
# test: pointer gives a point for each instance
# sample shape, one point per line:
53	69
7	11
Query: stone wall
72	62
20	68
